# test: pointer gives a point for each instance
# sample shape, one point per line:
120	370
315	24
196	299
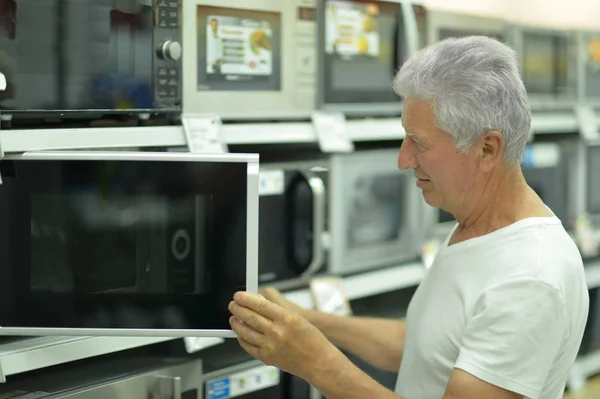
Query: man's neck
505	199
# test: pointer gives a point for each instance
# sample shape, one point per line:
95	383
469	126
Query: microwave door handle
317	187
174	386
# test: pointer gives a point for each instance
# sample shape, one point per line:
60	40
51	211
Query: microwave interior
360	45
547	63
374	209
89	58
121	244
591	60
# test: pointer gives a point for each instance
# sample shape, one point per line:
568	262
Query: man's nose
406	157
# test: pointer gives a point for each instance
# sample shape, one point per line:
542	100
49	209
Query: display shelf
556	122
376	129
31	354
244	133
369	283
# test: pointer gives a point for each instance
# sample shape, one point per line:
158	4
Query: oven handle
175	386
317	187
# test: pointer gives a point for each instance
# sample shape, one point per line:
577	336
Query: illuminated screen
545	59
238	49
592	81
360	44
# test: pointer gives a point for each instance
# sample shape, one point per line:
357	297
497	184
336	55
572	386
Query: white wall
565	14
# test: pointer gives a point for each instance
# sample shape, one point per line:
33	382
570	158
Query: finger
255	320
252	350
272	294
247	333
260	305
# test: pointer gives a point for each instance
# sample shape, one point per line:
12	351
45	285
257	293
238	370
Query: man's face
215	26
445	176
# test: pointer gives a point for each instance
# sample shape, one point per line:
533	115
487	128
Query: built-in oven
375	212
120	378
546	172
292	220
87	59
124	243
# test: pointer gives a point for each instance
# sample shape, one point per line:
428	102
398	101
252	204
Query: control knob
170	50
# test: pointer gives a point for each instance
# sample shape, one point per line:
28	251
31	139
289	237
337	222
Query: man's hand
279	337
275	296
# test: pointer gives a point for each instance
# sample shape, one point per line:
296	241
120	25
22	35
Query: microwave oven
123	243
443	24
546	172
88	59
375	212
548	60
592	179
360	46
250	59
292	220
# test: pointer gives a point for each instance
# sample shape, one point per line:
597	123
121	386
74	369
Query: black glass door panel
122	244
97	56
288	229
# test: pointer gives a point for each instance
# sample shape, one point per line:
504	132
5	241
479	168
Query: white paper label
587	122
271	182
195	344
3	83
203	134
332	132
235	385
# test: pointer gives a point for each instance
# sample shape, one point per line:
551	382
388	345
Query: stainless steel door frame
171	382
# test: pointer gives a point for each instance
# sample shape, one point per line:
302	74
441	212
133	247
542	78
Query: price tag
203	134
332	132
329	296
429	251
196	344
587	122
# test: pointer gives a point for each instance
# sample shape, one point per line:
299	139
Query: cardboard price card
329	296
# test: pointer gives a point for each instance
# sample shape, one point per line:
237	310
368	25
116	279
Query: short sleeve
516	332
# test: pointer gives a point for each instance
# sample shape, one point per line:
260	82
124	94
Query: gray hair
475	87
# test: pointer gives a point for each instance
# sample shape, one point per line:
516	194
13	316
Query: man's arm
379	342
343	380
285	340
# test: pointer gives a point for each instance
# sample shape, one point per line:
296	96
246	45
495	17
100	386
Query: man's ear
492	150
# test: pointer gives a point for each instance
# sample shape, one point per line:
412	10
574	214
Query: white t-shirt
509	307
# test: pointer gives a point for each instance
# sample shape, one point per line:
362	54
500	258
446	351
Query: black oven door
125	243
89	58
293	207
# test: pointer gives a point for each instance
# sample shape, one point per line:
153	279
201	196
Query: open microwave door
123	243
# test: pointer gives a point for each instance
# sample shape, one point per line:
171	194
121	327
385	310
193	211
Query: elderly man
501	312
